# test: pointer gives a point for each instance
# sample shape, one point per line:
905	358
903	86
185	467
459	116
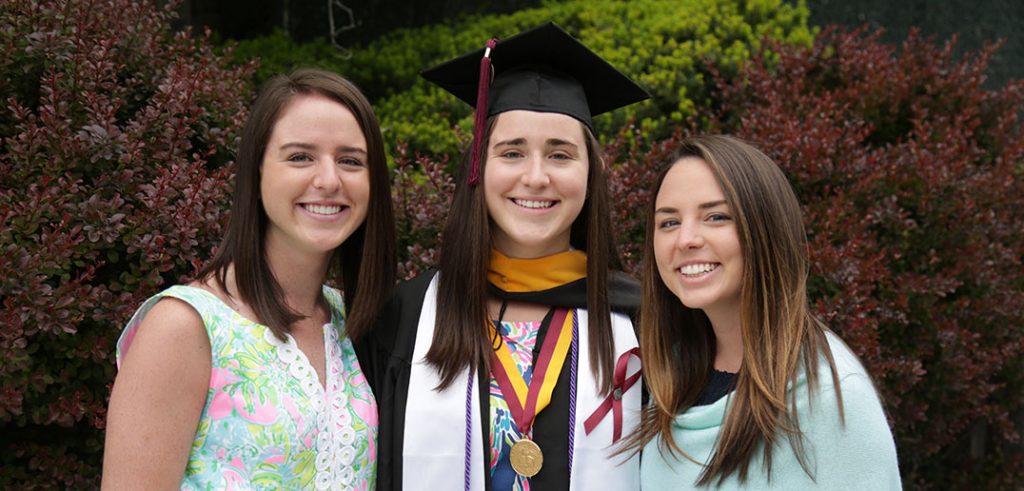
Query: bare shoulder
157	398
170	350
172	324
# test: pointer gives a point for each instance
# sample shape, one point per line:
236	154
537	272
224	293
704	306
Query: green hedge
664	44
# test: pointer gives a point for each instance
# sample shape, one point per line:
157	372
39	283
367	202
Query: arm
157	399
861	453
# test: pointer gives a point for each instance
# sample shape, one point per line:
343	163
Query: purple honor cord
573	356
574	350
469	430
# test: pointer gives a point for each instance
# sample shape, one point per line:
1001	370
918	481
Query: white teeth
526	203
322	210
696	269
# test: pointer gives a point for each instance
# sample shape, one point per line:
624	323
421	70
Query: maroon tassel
482	93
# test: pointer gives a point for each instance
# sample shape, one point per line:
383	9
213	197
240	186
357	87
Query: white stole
433	452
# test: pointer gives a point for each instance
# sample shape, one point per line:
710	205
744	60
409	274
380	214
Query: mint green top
858	455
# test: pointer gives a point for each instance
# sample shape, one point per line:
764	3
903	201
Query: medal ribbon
613	402
525	402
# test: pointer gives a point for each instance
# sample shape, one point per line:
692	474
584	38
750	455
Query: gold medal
526	458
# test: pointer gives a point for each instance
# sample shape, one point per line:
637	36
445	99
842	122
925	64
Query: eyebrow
510	143
309	146
703	206
711	204
554	142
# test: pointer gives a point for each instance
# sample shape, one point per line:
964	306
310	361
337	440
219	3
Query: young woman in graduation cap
514	366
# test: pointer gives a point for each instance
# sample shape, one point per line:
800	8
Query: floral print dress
268	423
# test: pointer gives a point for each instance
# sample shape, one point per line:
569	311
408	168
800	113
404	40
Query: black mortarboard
543	69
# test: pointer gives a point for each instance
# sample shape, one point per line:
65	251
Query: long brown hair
461	340
780	336
364	264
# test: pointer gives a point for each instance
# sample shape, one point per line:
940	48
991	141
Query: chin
693	302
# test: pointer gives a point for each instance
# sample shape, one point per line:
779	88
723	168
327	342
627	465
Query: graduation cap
543	69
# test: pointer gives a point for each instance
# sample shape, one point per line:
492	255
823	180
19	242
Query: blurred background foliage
663	44
118	124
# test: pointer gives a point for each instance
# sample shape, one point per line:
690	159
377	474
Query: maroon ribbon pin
613	403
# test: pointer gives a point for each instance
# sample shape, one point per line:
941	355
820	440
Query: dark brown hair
364	264
779	334
461	339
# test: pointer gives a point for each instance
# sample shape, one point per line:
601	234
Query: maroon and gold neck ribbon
525	402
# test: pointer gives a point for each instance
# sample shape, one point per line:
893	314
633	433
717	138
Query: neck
300	276
515	250
728	339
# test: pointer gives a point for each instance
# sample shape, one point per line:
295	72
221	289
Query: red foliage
632	170
910	172
114	172
421	190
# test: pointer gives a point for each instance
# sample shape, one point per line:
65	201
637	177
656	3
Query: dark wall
976	21
307	19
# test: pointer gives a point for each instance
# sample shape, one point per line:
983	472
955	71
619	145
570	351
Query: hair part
780	335
364	265
464	342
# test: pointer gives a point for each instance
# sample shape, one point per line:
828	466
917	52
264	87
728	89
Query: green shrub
663	44
278	53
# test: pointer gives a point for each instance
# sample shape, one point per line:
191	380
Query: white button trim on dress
335	440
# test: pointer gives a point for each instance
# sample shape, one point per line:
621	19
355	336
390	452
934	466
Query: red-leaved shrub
421	189
116	142
910	173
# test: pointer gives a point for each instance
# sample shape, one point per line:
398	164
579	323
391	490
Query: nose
689	236
535	174
325	175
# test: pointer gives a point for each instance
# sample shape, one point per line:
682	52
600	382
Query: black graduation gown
386	356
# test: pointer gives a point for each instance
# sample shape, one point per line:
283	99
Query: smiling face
696	244
314	180
535	182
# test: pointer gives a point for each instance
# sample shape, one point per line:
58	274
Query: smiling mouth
323	209
534	204
694	270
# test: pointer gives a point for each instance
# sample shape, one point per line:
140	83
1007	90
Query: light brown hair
461	339
780	336
364	265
